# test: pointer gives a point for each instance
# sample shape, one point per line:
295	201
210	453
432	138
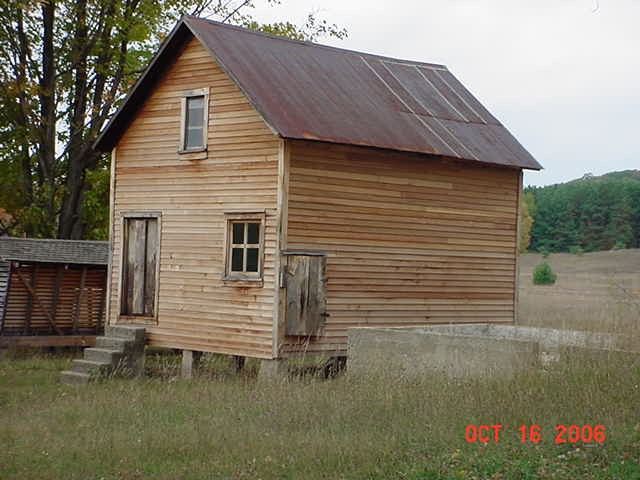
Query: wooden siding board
410	240
196	310
65	296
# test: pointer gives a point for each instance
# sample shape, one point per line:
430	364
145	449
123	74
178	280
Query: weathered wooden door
306	301
140	257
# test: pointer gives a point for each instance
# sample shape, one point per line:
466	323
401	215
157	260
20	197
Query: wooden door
306	303
140	257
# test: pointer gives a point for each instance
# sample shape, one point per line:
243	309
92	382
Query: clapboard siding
411	240
196	309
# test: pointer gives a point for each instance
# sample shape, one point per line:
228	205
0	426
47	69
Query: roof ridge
313	44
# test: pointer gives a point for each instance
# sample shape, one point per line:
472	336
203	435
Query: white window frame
201	92
243	217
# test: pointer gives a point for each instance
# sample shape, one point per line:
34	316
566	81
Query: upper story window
195	107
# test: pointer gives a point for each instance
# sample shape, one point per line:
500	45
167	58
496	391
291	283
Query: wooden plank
136	265
150	267
29	306
5	272
33	296
126	277
56	291
47	341
111	239
305	294
78	301
516	270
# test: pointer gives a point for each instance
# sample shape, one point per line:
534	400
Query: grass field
227	426
597	291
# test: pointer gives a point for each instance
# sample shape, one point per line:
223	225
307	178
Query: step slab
129	332
113	343
74	378
104	355
91	367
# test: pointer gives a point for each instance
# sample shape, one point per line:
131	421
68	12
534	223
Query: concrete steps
119	352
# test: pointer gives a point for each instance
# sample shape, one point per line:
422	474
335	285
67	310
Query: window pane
253	233
236	260
194	121
195	111
238	233
193	138
252	259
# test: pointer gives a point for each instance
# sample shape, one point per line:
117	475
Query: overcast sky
562	75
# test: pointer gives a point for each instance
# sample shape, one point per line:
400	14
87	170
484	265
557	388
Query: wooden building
268	194
52	292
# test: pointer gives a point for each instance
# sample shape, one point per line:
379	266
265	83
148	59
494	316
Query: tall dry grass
597	291
226	426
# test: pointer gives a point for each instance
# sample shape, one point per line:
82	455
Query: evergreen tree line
589	214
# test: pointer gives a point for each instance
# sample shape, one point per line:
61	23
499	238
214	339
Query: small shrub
544	275
620	245
576	250
544	252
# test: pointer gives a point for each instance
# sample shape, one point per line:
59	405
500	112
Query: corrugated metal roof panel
309	91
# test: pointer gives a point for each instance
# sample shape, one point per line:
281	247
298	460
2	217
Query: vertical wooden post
516	269
101	310
29	308
238	362
56	293
187	364
112	194
79	297
279	302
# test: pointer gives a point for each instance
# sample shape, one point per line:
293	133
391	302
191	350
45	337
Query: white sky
562	75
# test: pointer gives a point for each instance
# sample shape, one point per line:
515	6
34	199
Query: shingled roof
54	251
315	92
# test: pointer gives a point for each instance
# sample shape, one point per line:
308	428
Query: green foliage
96	205
69	64
576	250
593	213
620	245
544	275
527	210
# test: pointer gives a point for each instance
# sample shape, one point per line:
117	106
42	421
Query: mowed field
597	291
222	425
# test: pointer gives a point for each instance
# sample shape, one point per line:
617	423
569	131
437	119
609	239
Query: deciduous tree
64	66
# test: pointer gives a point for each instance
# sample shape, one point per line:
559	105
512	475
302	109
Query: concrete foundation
475	349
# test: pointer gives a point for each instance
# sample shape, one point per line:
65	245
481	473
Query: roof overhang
306	91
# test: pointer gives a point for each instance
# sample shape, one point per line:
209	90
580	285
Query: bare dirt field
597	291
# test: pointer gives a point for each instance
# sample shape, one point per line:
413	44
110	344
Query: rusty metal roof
84	252
315	92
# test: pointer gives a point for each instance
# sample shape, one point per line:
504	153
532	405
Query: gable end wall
196	309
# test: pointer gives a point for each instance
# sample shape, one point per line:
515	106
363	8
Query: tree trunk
70	223
23	111
47	141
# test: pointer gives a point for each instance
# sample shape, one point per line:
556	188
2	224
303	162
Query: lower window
245	247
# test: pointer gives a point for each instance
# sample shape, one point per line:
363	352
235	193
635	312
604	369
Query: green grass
226	426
